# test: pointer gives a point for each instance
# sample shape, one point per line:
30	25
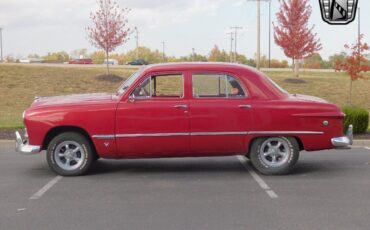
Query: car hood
301	97
77	99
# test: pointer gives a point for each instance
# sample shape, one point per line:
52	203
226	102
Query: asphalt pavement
327	190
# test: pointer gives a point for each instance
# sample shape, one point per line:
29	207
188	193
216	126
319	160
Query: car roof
266	87
201	66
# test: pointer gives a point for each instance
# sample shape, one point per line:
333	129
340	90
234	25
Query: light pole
270	34
359	31
163	51
137	42
231	45
1	45
236	28
259	32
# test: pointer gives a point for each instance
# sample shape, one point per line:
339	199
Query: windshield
126	84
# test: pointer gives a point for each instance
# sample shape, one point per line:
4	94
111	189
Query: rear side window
217	86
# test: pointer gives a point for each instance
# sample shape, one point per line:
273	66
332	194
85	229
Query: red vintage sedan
183	110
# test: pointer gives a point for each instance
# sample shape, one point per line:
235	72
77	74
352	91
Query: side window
160	86
217	85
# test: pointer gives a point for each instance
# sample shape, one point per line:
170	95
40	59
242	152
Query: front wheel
274	155
70	154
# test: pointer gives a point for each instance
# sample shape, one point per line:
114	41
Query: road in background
137	67
327	190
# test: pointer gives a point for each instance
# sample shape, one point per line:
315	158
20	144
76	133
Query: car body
186	110
81	61
138	62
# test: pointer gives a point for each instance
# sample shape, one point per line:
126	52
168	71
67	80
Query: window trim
150	82
246	92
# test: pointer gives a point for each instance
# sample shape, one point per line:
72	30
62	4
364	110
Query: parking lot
327	190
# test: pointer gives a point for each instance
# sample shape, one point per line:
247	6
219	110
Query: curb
6	141
361	143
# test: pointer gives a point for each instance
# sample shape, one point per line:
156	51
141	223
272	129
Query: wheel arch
63	129
300	143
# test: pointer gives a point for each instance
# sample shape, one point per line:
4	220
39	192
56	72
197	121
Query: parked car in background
82	61
138	62
110	62
183	110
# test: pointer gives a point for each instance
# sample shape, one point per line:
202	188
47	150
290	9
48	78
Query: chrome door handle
180	106
245	106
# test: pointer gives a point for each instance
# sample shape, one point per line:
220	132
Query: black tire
86	154
265	163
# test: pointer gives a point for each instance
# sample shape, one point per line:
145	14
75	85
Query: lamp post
137	42
270	34
259	32
359	31
1	45
163	51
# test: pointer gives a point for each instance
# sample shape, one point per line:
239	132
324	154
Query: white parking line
258	179
368	148
44	189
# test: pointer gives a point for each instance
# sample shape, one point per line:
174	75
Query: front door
220	115
155	120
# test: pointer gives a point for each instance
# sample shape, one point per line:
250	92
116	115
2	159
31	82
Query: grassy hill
19	84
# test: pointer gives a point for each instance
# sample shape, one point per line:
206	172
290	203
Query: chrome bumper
22	146
344	142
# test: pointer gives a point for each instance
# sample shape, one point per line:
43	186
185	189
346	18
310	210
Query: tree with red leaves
355	63
292	33
109	28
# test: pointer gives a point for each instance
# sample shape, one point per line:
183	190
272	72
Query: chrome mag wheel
275	152
274	155
69	155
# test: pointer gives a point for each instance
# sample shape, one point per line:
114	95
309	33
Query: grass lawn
19	84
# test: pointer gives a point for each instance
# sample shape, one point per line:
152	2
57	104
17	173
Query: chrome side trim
285	132
152	135
103	136
203	134
217	133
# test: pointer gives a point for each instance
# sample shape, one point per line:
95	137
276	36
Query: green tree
121	58
59	57
242	59
217	55
33	56
314	61
77	53
251	62
98	57
146	54
340	57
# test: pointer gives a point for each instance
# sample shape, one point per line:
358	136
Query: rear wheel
70	154
274	155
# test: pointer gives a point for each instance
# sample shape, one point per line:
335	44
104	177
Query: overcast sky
41	26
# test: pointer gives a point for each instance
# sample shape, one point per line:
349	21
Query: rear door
220	114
